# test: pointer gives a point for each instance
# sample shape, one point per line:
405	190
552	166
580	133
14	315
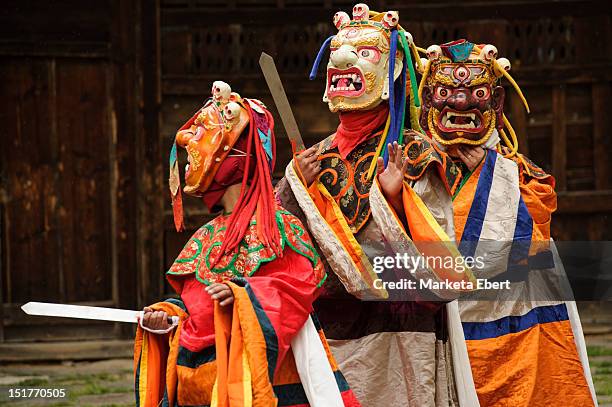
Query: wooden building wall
93	92
76	174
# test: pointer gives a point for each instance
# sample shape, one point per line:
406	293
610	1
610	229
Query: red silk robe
236	355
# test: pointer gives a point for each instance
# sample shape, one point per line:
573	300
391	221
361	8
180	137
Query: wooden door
55	153
78	164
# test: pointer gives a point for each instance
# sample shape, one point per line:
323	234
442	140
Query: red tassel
256	199
177	211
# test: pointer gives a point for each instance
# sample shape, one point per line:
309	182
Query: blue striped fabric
513	324
478	210
522	236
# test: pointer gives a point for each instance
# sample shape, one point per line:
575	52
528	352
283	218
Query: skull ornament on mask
361	12
341	18
462	102
231	111
221	91
209	137
358	67
390	19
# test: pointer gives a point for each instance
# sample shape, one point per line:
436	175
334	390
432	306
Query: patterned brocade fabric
345	179
421	153
202	249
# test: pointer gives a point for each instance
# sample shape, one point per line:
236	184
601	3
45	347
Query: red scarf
358	126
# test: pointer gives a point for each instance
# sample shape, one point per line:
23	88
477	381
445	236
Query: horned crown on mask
361	53
462	100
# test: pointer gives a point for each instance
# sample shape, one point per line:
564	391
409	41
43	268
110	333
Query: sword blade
80	311
268	67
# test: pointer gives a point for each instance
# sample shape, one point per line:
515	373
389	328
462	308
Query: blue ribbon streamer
317	61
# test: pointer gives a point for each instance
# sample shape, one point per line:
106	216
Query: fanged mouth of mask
451	121
188	166
345	83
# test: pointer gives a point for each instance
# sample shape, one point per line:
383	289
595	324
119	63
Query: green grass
603	385
601	369
33	382
599	351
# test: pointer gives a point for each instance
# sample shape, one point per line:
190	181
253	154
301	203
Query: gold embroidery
196	158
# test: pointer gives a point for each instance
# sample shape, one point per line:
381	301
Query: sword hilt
172	320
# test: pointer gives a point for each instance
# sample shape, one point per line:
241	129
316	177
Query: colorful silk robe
524	346
265	350
393	353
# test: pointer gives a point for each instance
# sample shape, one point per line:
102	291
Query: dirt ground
109	383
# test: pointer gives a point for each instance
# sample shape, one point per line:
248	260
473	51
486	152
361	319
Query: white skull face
231	111
221	91
434	52
357	70
361	12
504	63
488	52
341	18
391	19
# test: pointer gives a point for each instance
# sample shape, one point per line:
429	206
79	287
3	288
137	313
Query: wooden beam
584	202
57	351
55	147
559	137
88	50
151	180
124	86
3	252
519	121
602	122
173	84
426	11
43	22
252	85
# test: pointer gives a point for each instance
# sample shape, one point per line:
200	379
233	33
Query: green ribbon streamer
413	81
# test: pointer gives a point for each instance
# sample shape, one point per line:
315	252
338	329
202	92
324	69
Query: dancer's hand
308	164
391	178
471	156
155	320
221	292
